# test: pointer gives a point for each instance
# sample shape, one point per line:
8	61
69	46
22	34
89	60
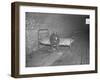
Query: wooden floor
78	54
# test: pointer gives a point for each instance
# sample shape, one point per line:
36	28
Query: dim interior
67	26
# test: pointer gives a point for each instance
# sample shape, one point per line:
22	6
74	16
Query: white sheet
63	41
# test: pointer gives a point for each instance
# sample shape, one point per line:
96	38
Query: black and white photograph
51	39
56	39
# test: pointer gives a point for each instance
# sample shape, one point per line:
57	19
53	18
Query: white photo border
54	69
